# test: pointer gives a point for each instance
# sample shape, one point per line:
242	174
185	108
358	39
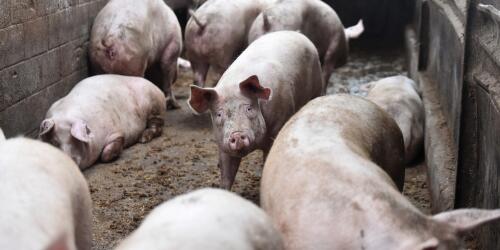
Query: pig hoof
172	104
146	137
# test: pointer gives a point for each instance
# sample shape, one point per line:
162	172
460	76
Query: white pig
272	79
45	200
208	219
217	32
324	187
316	20
399	97
129	37
102	115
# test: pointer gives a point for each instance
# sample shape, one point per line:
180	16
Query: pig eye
249	108
219	114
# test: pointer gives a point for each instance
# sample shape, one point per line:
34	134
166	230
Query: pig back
320	168
44	197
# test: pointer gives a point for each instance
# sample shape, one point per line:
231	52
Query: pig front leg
229	167
169	71
153	129
200	71
113	147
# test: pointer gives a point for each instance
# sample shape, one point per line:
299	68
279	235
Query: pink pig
129	37
267	84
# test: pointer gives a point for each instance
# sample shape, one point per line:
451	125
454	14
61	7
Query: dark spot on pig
14	74
191	200
356	206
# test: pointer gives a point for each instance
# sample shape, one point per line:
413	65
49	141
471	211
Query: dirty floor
185	157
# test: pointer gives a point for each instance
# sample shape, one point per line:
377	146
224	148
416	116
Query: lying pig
267	84
102	115
324	187
217	32
317	21
45	199
398	96
209	219
129	37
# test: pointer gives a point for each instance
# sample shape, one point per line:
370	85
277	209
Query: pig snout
238	141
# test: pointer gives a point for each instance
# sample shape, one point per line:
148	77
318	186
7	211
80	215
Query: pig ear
46	127
81	131
465	220
252	88
201	99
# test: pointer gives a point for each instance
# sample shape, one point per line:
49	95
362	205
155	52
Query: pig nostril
232	140
243	137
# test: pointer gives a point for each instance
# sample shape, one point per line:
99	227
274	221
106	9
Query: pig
102	115
398	96
217	32
209	219
271	80
129	37
316	20
325	184
45	199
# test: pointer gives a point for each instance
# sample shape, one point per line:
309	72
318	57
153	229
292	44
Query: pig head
73	137
237	118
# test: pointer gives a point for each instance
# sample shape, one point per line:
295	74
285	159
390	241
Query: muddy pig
266	85
217	32
324	187
129	37
45	199
399	97
315	19
210	219
102	115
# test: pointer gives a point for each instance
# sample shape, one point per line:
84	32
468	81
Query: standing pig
266	85
324	187
398	96
129	37
45	199
102	115
208	219
217	32
314	19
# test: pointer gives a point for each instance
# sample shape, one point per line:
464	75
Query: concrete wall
479	159
43	54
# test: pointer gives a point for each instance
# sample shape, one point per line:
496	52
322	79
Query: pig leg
169	70
153	129
113	147
200	71
229	167
336	56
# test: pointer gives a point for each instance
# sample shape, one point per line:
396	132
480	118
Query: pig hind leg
153	129
336	56
113	147
200	70
169	71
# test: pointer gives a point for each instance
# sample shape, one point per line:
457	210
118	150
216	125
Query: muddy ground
185	157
